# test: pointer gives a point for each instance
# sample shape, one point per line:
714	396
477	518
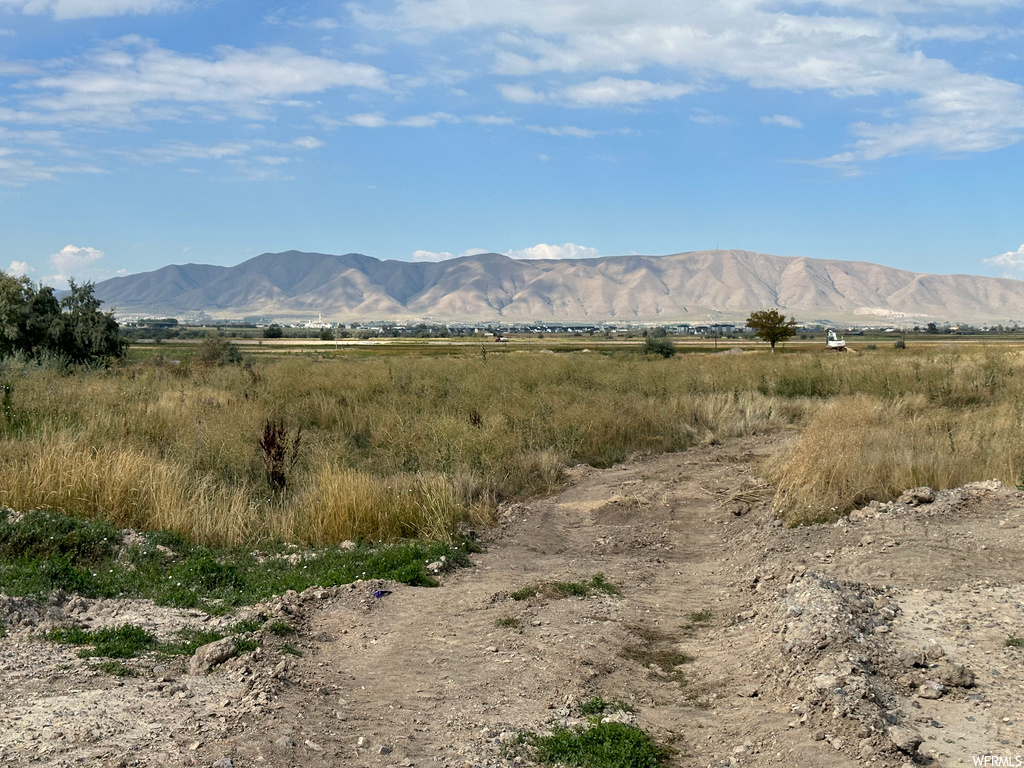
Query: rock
935	652
955	676
931	690
917	496
905	739
224	762
384	749
210	655
286	742
911	659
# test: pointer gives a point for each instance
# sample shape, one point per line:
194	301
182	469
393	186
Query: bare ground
838	645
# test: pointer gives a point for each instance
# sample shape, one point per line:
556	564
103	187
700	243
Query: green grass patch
508	622
290	649
558	589
45	551
597	706
604	745
114	668
129	640
1015	642
123	642
280	628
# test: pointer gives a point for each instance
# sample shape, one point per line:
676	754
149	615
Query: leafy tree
326	334
659	345
273	331
771	326
32	321
216	350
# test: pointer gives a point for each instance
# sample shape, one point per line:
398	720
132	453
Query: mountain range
698	286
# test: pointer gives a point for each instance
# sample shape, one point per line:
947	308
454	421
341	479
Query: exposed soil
838	645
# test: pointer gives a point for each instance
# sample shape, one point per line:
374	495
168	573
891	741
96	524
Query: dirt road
879	641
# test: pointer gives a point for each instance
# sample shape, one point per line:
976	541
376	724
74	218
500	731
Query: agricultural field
611	530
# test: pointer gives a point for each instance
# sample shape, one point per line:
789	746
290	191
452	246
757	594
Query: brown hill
695	286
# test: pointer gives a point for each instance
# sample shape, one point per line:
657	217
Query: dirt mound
880	640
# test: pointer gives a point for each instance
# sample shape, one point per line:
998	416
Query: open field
382	447
616	607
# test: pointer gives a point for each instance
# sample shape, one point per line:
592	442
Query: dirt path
832	646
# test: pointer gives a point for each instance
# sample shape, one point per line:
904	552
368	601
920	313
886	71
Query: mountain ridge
683	287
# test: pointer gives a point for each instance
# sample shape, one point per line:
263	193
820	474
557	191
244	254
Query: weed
558	589
604	745
280	628
699	617
290	649
1015	642
597	706
80	557
655	651
508	622
123	642
254	624
279	453
114	668
246	645
189	640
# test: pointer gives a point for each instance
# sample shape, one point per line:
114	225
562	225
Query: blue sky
139	133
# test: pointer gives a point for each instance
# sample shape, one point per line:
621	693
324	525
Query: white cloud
444	255
307	142
604	91
534	252
1012	262
73	262
80	9
843	48
521	94
133	81
565	130
784	120
19	268
704	117
490	120
19	167
545	251
375	120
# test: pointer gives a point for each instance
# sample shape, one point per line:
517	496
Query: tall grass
416	447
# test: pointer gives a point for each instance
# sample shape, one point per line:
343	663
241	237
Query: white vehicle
834	343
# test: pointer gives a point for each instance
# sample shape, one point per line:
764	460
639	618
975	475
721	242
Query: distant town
268	327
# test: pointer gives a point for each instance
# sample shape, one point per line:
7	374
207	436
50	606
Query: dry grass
860	448
405	446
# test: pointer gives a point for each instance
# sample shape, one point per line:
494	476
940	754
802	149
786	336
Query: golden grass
410	446
859	448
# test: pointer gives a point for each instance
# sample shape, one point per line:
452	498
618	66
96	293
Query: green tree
771	326
273	331
216	350
659	345
326	334
32	321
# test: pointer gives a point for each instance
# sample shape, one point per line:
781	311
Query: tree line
34	322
